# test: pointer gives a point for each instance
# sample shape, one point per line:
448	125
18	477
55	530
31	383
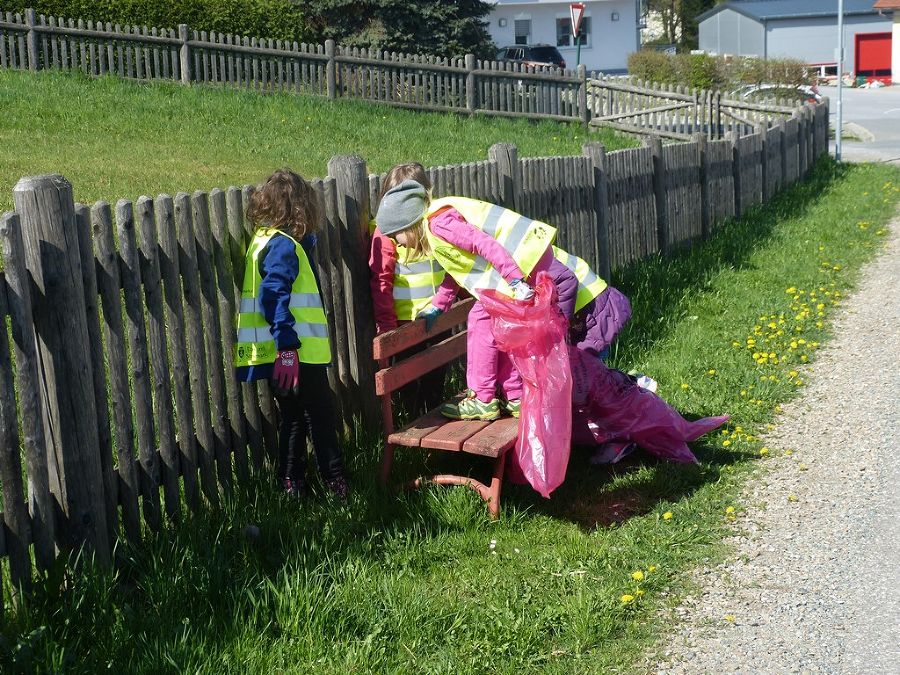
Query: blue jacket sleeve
278	267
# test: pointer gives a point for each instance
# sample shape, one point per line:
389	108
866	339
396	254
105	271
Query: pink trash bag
610	408
534	335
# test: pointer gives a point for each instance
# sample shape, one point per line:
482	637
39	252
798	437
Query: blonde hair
420	247
286	202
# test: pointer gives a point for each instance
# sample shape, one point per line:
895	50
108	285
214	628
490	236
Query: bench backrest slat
395	341
392	378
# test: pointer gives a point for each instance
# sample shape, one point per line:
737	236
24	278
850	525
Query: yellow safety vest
525	239
589	284
255	344
416	280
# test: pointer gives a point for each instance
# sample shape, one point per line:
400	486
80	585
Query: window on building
523	31
564	36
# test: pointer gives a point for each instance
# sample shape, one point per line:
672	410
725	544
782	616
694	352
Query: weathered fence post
763	131
595	151
18	304
471	93
735	139
330	70
509	173
659	192
585	113
184	54
31	39
352	187
52	257
705	225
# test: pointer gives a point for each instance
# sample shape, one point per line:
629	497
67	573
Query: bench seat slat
494	440
412	434
453	434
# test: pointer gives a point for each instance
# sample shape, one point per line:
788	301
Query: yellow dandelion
792	290
639	592
803	467
729	509
788	453
725	444
711	371
793	373
763	451
626	598
729	618
637	576
792	498
685	385
652	568
667	515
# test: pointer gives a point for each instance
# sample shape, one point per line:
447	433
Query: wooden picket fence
676	112
118	391
458	84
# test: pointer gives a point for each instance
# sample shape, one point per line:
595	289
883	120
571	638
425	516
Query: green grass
115	139
410	583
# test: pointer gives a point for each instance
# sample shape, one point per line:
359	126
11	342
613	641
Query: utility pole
840	75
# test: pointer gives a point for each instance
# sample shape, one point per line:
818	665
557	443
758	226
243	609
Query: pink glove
286	375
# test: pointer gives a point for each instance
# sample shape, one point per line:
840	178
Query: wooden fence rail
457	84
119	392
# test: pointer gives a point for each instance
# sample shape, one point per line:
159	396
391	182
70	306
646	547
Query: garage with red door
873	56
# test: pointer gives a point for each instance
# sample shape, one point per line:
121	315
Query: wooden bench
433	430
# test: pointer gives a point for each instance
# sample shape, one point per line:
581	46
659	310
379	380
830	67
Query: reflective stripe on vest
416	281
589	284
525	239
255	344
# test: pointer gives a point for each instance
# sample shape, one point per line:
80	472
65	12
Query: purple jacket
599	321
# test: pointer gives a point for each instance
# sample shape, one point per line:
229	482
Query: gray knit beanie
401	207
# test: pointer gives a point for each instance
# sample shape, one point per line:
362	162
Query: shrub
704	71
652	66
277	19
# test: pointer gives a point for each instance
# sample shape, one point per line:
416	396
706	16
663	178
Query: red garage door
873	55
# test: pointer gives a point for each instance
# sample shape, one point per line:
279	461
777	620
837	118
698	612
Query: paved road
877	111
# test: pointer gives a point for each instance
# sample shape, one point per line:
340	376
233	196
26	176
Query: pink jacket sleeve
450	226
446	293
382	261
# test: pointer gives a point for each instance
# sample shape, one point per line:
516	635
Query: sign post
576	10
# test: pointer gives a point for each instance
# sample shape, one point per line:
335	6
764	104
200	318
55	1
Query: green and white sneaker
470	408
513	407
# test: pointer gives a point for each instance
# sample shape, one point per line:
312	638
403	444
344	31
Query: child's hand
521	290
430	314
286	375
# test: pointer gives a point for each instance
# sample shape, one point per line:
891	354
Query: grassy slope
411	583
117	140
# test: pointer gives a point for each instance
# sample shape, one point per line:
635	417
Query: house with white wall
611	30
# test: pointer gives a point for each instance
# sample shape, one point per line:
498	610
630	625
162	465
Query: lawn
424	582
115	139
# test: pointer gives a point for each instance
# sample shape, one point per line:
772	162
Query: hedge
703	71
276	19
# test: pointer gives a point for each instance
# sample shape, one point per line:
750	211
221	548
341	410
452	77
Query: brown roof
887	4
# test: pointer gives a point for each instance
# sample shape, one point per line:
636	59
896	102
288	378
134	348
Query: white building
610	27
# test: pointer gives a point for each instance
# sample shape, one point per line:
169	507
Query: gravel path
814	582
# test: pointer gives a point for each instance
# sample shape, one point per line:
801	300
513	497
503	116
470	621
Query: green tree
679	19
422	27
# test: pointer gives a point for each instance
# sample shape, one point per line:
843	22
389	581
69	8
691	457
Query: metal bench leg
496	486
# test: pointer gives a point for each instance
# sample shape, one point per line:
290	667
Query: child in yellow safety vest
480	245
282	334
404	283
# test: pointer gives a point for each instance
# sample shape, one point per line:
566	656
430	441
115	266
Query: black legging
310	410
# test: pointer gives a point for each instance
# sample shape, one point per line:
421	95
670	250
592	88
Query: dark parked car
532	55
